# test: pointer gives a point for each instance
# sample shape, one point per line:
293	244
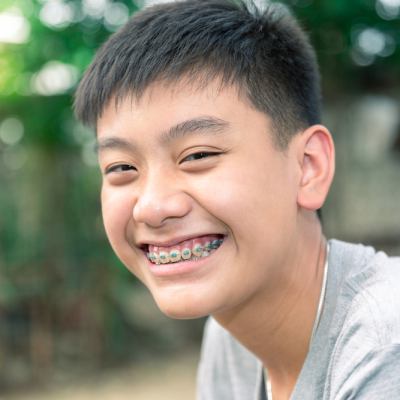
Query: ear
316	156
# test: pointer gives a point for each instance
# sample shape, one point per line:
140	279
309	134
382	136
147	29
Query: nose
160	199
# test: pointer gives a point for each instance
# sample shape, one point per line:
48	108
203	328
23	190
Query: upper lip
173	241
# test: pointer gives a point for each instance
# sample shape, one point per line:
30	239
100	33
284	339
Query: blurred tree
357	43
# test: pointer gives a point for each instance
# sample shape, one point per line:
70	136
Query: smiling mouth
189	250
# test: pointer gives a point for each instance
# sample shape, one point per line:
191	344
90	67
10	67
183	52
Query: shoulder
375	376
369	287
367	341
374	294
227	370
368	298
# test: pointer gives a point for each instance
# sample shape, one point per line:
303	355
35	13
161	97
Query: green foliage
345	35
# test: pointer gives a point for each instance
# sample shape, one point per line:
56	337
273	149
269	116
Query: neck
277	327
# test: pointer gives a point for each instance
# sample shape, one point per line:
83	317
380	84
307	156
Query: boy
214	165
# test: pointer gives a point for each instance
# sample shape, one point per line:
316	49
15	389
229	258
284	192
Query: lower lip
181	267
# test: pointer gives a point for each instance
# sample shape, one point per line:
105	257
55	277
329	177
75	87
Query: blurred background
73	322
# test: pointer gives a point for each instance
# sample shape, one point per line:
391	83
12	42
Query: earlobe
317	165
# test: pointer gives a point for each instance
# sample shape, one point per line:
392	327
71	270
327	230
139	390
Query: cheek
245	191
117	215
255	201
116	210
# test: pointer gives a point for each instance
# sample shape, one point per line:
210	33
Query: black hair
264	53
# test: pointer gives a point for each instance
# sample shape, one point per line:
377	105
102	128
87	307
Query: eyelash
201	154
196	157
120	168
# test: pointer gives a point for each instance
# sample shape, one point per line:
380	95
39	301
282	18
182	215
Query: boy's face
184	167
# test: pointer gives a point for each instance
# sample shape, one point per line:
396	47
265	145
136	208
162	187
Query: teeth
186	254
216	243
164	257
198	251
153	257
175	256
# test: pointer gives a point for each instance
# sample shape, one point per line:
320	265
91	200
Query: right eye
200	155
117	168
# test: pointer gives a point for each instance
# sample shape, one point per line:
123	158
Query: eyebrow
202	125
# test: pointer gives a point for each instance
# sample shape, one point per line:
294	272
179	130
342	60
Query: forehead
166	103
184	91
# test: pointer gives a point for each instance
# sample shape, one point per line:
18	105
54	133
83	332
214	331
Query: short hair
264	53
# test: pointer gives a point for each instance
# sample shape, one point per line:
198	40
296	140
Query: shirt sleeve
376	377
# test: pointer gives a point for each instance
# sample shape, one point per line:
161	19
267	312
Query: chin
183	309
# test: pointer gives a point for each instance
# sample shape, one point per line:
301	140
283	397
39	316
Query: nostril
157	205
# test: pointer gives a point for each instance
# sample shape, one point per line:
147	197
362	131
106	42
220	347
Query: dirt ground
166	379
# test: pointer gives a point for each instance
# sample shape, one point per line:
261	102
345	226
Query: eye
200	155
120	168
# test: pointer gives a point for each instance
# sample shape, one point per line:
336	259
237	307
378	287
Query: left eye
200	155
120	168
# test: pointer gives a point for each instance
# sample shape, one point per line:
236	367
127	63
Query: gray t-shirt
354	354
